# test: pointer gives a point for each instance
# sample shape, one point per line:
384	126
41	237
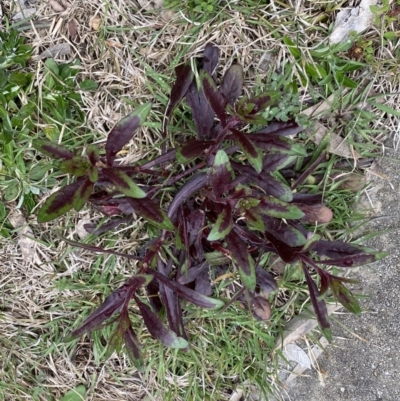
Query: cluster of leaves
234	201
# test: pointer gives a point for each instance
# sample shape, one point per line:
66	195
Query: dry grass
131	54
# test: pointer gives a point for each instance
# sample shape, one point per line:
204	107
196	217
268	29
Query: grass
131	58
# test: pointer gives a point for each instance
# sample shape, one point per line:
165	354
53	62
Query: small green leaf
345	297
88	85
77	166
294	50
271	206
76	394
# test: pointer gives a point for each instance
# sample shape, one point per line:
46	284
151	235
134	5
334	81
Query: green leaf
77	166
223	225
52	149
386	109
124	183
294	50
271	206
58	203
88	85
82	194
345	297
76	394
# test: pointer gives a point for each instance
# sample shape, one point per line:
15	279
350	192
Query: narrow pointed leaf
264	100
93	174
52	149
188	294
287	128
58	203
221	173
265	280
354	260
345	297
284	232
111	305
193	273
213	96
279	144
202	112
115	342
123	183
319	306
210	58
242	260
274	207
276	162
158	329
82	194
151	212
92	153
192	149
132	347
223	225
287	253
232	83
124	130
184	77
253	154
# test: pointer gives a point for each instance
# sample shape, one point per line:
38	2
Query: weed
233	203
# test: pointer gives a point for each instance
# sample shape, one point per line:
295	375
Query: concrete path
367	370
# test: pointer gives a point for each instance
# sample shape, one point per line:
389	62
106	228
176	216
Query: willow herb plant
221	200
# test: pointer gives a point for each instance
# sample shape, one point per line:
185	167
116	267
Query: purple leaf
153	292
193	185
184	77
210	58
123	183
191	274
282	128
305	174
214	98
284	232
276	144
132	347
124	130
253	154
192	149
276	162
151	212
221	173
93	229
232	84
265	280
111	305
242	259
100	250
52	149
287	254
81	195
354	260
188	294
264	100
319	305
58	203
223	225
339	249
202	112
158	330
203	284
